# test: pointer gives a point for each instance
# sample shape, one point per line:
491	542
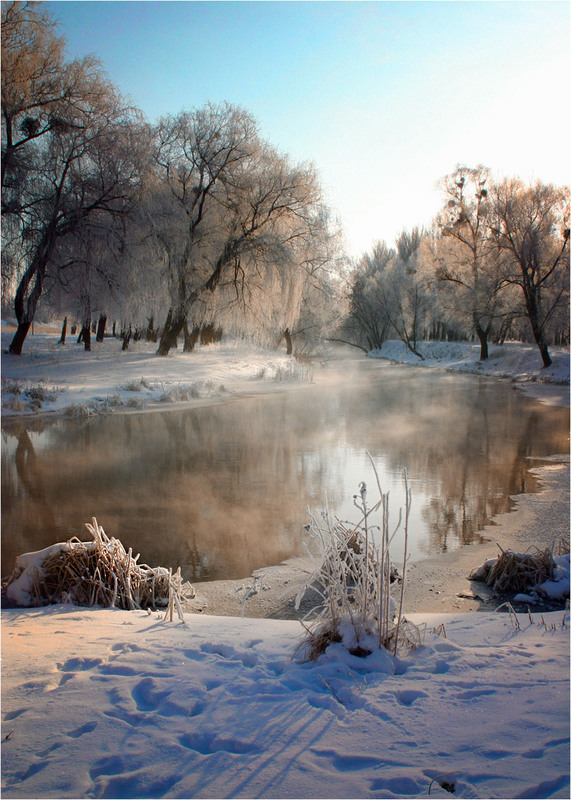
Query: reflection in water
223	490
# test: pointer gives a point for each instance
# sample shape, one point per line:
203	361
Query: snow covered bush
530	577
25	397
355	607
96	573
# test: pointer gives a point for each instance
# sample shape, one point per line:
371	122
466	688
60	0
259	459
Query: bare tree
367	320
469	264
79	156
531	225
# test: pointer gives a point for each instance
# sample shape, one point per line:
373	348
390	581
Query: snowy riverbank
514	361
51	378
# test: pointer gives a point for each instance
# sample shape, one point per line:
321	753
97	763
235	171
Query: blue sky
383	97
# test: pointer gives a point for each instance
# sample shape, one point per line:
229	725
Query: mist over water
223	490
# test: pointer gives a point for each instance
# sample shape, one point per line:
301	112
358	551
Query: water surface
223	490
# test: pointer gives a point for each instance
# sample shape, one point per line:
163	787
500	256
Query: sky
384	98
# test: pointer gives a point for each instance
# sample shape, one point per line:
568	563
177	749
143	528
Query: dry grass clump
97	573
512	573
353	582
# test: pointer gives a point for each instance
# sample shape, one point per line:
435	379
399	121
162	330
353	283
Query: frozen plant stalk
353	580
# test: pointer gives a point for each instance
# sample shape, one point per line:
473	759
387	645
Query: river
224	489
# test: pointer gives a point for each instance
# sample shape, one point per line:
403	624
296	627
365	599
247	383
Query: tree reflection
223	490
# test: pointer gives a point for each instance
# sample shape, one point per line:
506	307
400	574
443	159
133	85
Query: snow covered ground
49	377
513	360
107	703
102	703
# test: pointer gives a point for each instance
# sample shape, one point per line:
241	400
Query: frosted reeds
354	578
96	573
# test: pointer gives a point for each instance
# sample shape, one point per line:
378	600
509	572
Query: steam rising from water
223	490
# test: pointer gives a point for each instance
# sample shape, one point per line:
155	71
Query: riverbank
515	361
49	378
433	585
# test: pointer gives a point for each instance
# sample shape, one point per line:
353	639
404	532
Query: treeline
494	265
192	222
196	224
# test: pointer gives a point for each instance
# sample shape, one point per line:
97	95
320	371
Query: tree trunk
483	338
85	335
63	331
351	344
151	335
190	338
173	326
19	338
101	328
545	357
126	339
406	341
210	334
533	307
25	309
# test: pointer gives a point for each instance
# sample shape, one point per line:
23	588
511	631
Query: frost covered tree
234	211
36	83
367	321
530	226
319	307
390	293
408	297
71	151
465	257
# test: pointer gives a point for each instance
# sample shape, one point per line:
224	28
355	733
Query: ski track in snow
218	708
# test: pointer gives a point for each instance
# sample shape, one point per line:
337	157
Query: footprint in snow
409	696
79	664
206	744
83	729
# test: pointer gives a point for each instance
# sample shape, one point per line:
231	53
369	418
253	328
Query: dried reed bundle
96	573
353	581
512	572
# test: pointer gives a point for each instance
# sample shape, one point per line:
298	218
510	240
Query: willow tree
72	152
232	212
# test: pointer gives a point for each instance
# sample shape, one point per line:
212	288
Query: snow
49	377
559	585
108	703
513	360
